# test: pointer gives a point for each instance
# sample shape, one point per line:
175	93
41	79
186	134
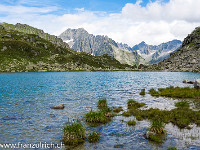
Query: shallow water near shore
26	98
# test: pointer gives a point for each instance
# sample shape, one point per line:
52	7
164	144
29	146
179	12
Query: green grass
181	116
142	92
133	104
182	104
157	126
172	148
96	117
93	137
153	92
176	92
131	122
74	134
117	109
102	104
157	138
126	114
23	49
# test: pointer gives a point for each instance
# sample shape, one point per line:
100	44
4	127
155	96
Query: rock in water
188	82
60	106
197	84
190	126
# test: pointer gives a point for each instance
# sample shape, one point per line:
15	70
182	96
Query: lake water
26	98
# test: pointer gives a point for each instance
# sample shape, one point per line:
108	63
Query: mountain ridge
156	53
98	45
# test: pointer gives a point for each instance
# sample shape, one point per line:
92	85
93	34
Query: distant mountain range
156	53
80	40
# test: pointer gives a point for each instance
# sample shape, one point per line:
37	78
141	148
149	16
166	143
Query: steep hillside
80	40
156	53
187	58
21	52
31	30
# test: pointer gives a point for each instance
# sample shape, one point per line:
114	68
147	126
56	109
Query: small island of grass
74	134
176	92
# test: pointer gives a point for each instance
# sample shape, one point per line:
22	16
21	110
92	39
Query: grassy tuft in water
157	126
102	103
117	109
176	92
172	148
74	134
132	104
153	92
126	114
142	92
96	117
93	137
156	138
131	122
182	104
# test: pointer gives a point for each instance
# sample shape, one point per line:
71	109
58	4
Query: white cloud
156	23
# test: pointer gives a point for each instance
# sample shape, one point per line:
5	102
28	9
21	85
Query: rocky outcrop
80	40
187	58
197	84
156	53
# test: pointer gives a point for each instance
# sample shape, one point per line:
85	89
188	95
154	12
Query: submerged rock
197	84
60	106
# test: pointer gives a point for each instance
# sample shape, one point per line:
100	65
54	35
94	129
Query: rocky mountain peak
80	40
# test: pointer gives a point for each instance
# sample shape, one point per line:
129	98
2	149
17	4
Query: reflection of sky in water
25	99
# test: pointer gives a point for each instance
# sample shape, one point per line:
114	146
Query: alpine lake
26	116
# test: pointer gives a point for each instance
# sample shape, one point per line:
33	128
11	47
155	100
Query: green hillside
22	52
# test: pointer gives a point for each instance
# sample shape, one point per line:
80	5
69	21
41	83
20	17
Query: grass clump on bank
93	137
102	103
176	92
142	92
117	109
74	134
132	104
131	122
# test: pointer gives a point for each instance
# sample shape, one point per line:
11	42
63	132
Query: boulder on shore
60	106
197	84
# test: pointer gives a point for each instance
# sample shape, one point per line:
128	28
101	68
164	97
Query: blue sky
110	6
126	21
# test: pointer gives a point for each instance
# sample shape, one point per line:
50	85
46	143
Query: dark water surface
26	98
